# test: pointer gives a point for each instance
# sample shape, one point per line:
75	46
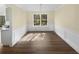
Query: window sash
40	19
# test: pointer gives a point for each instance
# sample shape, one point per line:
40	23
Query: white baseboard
41	28
69	37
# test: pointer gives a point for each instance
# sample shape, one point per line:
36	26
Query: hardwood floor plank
39	43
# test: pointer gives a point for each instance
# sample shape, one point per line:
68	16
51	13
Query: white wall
50	21
66	25
18	23
69	36
17	34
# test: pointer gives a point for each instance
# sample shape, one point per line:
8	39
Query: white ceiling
36	7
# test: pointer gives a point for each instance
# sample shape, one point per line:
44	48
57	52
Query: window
37	19
43	19
40	19
2	20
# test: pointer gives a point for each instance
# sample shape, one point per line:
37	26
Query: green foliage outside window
2	20
40	19
44	19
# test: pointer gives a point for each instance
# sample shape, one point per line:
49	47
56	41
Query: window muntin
43	19
40	19
37	19
2	20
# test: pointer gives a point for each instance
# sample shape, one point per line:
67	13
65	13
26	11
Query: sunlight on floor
34	37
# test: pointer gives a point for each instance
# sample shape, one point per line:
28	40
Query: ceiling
38	7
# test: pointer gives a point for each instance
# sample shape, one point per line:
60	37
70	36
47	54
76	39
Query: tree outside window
43	19
37	19
40	19
2	20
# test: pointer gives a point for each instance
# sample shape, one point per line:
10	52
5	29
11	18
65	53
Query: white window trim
40	20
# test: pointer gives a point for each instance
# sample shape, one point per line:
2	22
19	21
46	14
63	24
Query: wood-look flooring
39	43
